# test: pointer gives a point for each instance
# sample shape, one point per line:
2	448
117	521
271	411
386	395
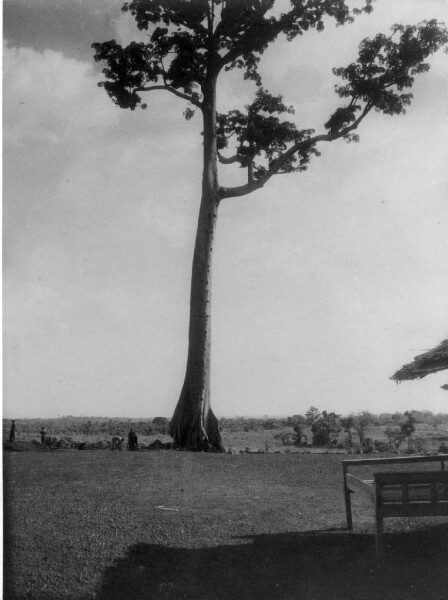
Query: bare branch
240	190
230	160
250	172
168	88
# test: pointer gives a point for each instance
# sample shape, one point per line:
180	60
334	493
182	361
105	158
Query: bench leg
348	508
379	546
348	502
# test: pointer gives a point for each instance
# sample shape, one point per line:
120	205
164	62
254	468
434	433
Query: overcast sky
325	283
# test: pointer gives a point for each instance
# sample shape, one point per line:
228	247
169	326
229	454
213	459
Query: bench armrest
442	458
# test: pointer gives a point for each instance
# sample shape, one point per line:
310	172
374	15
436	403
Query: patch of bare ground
172	525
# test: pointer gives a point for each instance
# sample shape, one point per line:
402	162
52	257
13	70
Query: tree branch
168	88
277	164
250	172
228	161
243	47
246	34
249	41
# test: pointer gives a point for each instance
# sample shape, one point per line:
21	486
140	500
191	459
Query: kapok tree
191	43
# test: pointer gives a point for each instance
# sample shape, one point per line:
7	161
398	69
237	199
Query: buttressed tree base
191	43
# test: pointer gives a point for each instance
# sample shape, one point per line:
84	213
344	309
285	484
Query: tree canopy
192	41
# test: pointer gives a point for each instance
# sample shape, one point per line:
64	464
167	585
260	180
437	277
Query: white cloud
49	97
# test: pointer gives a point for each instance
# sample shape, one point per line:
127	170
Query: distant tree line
103	426
326	428
329	429
317	428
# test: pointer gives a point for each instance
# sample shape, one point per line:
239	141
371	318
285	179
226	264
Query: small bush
420	447
287	438
382	446
368	446
160	425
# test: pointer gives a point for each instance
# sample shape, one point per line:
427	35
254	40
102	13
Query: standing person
131	440
42	436
12	431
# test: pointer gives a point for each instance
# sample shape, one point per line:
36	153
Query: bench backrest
413	494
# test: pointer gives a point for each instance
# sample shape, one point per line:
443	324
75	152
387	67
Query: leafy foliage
192	41
260	133
128	69
312	415
360	423
385	68
408	427
348	424
325	428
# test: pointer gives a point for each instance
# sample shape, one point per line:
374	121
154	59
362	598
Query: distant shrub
160	425
145	429
287	438
271	423
381	446
420	447
325	427
368	445
52	442
226	424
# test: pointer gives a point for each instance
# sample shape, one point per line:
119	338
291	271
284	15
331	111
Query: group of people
12	432
117	442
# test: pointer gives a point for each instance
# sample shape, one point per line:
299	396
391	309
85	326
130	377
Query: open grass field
172	525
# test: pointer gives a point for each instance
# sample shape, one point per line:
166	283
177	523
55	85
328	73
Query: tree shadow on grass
320	565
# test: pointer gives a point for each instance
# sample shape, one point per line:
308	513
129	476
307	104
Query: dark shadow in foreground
320	565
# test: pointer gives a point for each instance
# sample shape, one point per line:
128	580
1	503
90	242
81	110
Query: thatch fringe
430	362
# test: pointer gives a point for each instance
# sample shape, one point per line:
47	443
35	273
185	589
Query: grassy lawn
171	525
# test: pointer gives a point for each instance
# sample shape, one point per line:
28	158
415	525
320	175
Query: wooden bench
398	493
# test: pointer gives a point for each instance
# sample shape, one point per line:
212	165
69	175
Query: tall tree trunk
193	425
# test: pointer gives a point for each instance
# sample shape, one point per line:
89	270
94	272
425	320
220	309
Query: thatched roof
430	362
